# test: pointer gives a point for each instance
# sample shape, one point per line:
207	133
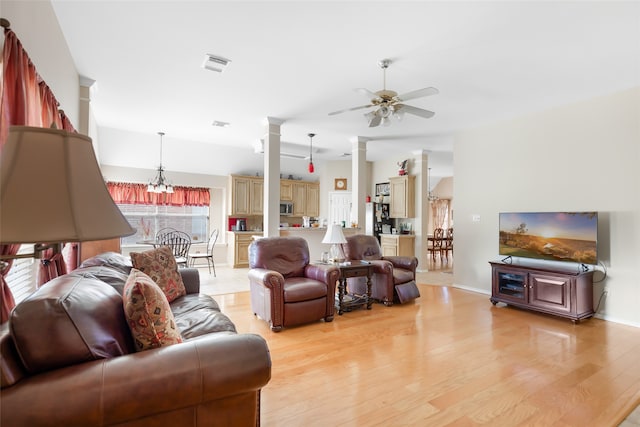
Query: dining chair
436	243
448	243
208	256
178	241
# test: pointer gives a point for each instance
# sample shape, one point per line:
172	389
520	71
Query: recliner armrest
406	262
327	274
269	278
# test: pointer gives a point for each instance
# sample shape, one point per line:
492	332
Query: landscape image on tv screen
557	236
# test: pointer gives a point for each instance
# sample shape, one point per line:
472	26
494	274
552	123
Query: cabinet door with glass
510	285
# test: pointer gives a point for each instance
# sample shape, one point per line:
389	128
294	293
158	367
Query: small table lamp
335	237
52	191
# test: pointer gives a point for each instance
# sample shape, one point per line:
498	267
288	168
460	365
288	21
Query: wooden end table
347	301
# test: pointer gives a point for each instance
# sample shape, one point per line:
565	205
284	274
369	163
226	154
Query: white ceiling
298	61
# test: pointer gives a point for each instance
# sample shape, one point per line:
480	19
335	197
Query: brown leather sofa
68	359
285	289
394	276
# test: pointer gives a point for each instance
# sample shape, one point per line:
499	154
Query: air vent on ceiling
220	124
215	63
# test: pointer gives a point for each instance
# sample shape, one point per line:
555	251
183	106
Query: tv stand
552	291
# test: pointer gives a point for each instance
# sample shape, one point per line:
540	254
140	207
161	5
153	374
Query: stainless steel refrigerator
377	219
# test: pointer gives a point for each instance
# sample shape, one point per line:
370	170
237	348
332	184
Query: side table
346	300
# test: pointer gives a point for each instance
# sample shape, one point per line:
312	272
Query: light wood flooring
449	359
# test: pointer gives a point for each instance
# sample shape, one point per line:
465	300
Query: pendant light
311	168
160	184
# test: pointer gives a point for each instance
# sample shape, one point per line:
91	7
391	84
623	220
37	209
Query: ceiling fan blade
367	93
418	93
350	109
415	111
375	121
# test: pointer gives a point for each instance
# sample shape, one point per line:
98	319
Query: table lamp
52	192
335	237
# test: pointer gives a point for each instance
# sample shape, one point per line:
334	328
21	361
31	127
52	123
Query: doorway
339	207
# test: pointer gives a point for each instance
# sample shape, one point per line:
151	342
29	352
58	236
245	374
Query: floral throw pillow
148	313
160	265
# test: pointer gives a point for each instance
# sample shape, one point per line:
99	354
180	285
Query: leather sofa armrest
191	279
406	262
137	385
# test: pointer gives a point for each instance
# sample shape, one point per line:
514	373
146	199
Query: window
148	219
22	276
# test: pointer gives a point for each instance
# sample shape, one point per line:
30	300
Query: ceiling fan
389	104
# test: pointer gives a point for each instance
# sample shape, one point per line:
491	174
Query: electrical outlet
607	292
475	218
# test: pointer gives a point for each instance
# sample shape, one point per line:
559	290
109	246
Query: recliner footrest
406	292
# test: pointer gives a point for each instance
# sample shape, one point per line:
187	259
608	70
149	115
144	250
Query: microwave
286	208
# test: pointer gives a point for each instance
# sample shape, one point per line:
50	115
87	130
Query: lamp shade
334	235
52	190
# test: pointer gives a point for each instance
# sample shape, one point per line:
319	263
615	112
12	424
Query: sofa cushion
112	276
199	314
69	320
148	313
113	260
160	265
298	289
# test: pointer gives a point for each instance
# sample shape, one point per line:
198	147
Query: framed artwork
340	184
382	189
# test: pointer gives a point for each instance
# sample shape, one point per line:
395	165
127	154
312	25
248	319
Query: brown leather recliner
285	289
394	276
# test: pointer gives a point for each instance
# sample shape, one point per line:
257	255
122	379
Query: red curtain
123	192
25	100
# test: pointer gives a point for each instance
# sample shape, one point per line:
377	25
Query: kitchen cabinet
246	195
239	248
403	196
286	190
553	291
397	244
299	198
256	196
312	199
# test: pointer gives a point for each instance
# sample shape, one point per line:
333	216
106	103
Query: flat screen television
557	236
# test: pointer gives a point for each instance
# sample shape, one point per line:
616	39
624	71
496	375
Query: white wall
580	157
47	49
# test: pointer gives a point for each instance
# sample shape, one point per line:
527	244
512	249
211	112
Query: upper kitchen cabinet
246	195
403	196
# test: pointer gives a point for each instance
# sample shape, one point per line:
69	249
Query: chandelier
430	196
160	184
